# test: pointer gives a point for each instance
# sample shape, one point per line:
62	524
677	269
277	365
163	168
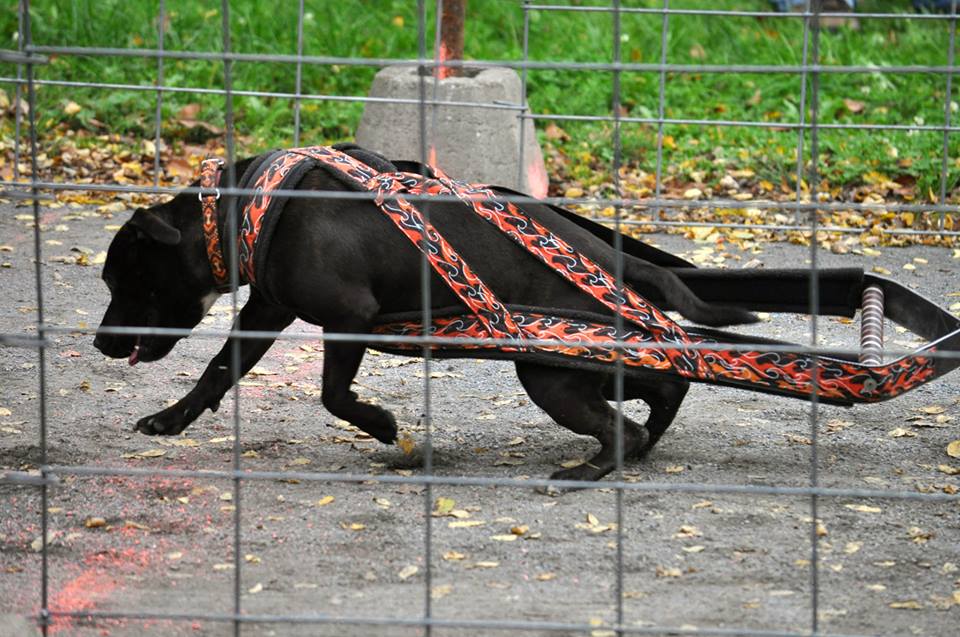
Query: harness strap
581	271
443	258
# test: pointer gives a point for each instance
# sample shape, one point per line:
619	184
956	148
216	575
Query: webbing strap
443	258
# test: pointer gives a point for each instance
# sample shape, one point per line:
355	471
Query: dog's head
155	273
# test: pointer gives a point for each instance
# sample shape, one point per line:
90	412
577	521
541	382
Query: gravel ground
707	560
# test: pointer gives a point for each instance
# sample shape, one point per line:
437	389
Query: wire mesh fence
804	215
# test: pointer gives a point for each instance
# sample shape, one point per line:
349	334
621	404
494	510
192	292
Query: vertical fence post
299	80
661	102
233	261
945	158
158	117
813	182
26	39
453	13
615	103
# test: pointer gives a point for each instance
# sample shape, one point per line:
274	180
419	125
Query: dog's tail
667	290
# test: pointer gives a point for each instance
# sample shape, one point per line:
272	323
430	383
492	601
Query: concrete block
472	142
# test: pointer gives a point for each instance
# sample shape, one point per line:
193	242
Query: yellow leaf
910	604
299	462
152	453
93	523
900	432
465	524
693	549
504	538
442	507
453	556
933	410
863	508
71	109
325	500
519	530
546	577
441	591
486	564
408	571
406	443
675	468
947	469
256	588
668	572
353	526
953	449
592	520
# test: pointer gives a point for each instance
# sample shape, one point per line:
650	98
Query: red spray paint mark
443	72
96	582
537	180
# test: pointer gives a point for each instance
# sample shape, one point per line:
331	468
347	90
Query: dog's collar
210	170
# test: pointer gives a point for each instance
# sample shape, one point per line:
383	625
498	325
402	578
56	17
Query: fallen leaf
442	507
453	556
546	577
408	571
662	571
94	523
686	531
256	588
4	412
910	604
406	443
675	468
863	508
325	500
852	547
918	535
900	432
465	524
693	549
933	410
504	538
440	591
71	109
150	453
947	469
953	449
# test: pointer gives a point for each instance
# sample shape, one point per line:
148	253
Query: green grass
388	28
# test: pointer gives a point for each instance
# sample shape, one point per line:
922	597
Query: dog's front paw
169	422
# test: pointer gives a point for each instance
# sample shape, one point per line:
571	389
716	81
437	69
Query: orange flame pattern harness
653	342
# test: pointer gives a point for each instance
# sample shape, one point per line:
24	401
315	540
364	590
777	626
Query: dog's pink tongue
134	355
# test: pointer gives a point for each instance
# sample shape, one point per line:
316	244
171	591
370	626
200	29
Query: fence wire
31	56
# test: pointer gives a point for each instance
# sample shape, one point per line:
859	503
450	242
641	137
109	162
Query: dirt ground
706	560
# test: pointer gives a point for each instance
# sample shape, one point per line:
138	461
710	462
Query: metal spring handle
871	326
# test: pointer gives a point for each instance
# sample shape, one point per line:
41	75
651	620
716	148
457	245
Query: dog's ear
150	224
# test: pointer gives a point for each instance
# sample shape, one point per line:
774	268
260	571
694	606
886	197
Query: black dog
341	264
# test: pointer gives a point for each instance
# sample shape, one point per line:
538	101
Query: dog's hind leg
575	400
663	396
340	364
